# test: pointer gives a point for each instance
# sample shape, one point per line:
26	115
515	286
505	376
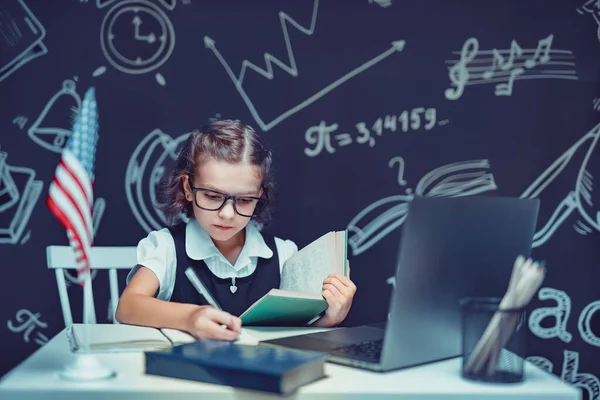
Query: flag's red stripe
59	185
70	172
66	223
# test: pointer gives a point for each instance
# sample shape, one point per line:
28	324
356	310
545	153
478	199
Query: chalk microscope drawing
136	37
21	37
291	68
144	171
19	192
504	67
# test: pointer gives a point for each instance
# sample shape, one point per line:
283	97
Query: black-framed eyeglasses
212	200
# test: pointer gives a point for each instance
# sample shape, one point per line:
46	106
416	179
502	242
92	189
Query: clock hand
137	21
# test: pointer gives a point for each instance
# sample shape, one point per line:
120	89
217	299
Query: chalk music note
544	46
458	74
505	89
499	62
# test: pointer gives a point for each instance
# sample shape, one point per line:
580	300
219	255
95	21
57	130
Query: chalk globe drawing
154	47
145	169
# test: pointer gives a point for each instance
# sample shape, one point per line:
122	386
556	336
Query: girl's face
230	179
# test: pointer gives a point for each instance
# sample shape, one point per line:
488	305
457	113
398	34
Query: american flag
70	197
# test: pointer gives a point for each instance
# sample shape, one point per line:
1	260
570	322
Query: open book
123	338
298	301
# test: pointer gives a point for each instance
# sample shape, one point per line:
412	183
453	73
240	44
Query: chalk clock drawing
145	38
290	68
21	37
144	171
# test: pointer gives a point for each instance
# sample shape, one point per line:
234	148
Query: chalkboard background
364	104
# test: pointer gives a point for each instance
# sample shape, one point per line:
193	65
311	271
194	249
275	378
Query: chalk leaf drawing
378	219
290	67
504	67
146	26
19	192
144	171
46	130
21	37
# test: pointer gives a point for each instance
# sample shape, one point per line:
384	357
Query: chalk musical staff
504	67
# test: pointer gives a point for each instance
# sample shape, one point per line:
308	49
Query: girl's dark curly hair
222	140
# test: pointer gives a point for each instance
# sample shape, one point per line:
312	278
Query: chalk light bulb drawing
136	37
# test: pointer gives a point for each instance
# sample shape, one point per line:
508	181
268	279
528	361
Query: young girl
221	181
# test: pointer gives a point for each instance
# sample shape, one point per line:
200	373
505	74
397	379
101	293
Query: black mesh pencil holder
493	341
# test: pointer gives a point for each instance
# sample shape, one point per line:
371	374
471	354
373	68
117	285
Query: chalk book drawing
21	37
383	216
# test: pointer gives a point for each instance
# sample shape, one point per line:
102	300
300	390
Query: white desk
36	378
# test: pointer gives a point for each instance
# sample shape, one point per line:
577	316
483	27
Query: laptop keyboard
369	350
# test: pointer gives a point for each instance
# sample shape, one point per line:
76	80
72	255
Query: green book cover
346	252
284	308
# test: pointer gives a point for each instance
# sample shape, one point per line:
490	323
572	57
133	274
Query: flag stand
86	366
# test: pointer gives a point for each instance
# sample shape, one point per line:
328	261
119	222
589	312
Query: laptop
450	248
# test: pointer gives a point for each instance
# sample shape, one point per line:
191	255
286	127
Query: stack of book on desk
244	366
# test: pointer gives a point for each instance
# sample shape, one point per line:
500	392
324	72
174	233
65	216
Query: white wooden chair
108	258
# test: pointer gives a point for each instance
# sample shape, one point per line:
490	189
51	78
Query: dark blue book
267	369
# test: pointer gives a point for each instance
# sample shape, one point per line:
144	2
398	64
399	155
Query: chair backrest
108	258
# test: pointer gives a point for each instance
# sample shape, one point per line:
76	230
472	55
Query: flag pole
70	199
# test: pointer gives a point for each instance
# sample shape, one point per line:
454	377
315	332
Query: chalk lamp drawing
380	218
504	67
21	37
47	134
290	67
136	37
144	171
19	192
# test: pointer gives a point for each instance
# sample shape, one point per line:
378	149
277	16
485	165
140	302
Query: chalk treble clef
458	74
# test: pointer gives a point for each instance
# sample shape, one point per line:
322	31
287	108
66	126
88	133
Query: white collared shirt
157	253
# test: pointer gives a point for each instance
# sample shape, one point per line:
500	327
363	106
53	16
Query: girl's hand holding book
339	291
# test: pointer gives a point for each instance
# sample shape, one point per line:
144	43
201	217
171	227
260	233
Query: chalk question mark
400	161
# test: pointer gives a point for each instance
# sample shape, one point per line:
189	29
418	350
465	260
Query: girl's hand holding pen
205	322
